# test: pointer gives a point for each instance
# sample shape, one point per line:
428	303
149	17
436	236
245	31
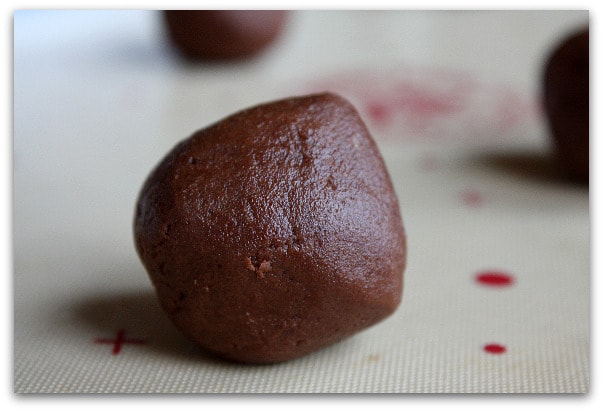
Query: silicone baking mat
497	288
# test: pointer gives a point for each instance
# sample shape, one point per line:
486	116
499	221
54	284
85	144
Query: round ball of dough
223	34
566	103
274	232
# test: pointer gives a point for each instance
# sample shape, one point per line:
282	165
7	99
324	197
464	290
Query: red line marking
494	278
119	341
417	106
409	103
495	349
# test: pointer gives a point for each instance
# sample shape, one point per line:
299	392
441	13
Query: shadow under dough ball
223	34
566	103
274	232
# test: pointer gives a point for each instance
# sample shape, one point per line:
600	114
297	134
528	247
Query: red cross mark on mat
119	340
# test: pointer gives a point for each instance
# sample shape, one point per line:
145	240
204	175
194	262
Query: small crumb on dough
265	267
249	264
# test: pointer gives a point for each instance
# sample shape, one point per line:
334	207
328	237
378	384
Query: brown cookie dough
566	103
223	34
274	232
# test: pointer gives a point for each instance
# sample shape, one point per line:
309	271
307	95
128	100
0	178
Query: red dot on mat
494	278
495	349
472	198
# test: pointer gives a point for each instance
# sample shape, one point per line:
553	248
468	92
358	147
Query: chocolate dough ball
223	34
274	232
566	105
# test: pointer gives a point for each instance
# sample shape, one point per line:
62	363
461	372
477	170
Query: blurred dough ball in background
223	34
566	103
